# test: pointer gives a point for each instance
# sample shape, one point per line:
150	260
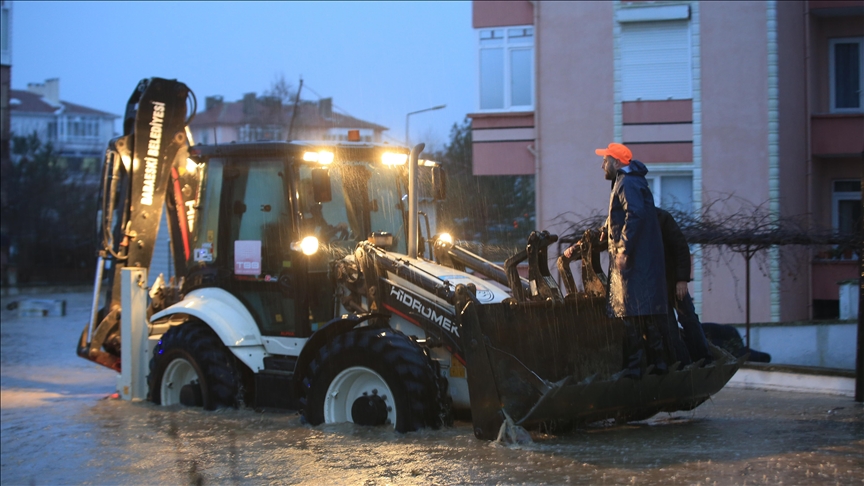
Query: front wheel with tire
373	377
191	366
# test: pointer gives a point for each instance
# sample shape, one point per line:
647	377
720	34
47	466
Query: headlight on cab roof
323	157
392	158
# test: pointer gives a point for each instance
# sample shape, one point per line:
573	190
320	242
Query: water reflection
56	429
133	441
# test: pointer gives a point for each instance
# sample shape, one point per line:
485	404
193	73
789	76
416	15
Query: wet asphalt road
58	428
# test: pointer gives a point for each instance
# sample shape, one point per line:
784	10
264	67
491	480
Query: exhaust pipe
412	199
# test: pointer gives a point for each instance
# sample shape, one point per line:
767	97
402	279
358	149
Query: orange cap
617	150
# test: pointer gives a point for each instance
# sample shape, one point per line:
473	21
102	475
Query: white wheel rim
178	374
351	384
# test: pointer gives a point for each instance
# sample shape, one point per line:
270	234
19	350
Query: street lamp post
407	137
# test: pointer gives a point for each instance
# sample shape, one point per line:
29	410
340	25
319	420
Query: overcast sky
377	60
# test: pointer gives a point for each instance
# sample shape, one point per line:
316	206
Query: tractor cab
270	218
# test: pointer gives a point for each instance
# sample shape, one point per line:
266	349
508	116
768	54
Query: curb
800	379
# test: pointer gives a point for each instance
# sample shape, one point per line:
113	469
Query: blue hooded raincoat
638	288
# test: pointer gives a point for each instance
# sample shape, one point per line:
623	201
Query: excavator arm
146	163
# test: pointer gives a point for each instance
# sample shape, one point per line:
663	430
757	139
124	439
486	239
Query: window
80	128
74	128
672	191
846	206
507	68
846	214
655	60
256	229
846	66
252	133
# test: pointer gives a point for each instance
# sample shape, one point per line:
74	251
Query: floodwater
59	428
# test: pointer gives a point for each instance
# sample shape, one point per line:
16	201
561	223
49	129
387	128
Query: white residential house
78	133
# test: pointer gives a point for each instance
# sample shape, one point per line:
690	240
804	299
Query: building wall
26	124
793	156
503	141
734	144
574	110
228	134
214	135
658	131
499	13
746	129
837	140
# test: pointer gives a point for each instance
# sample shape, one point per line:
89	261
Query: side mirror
321	185
439	184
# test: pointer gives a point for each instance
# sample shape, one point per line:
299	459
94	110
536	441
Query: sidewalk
791	378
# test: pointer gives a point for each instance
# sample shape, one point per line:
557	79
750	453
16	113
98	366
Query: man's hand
621	261
570	249
681	290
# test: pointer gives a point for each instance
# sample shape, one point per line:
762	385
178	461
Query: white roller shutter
655	60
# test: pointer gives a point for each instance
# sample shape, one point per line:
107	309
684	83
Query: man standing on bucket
677	255
637	280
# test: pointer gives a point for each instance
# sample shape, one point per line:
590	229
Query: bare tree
733	223
281	89
49	215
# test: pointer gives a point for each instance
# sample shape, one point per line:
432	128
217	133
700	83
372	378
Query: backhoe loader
303	280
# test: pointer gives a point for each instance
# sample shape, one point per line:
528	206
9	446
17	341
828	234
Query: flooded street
58	428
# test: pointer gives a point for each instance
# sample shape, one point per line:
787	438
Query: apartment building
760	101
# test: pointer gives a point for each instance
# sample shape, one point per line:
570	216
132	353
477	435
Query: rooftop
21	101
270	111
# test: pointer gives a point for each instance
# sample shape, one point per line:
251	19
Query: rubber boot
655	346
632	351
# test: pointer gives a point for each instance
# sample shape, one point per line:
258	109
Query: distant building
79	134
5	86
760	99
5	133
257	118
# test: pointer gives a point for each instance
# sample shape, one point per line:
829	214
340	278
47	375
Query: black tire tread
402	363
223	387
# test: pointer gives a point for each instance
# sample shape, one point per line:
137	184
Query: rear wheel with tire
191	366
373	377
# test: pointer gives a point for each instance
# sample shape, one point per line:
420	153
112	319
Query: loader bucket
545	361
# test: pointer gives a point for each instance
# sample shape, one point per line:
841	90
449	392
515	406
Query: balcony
831	8
837	135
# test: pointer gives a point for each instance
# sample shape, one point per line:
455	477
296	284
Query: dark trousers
643	336
694	336
678	351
